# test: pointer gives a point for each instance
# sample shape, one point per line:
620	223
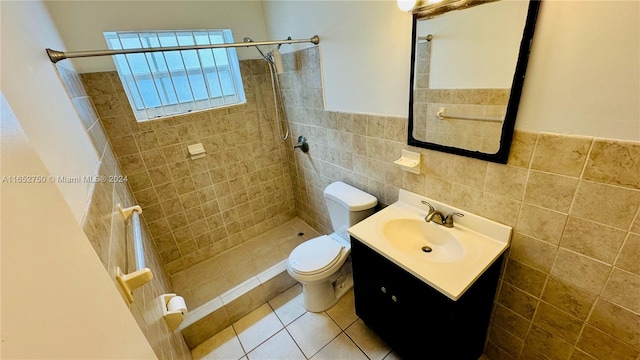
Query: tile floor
283	329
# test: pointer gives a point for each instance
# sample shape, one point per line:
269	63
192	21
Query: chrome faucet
438	217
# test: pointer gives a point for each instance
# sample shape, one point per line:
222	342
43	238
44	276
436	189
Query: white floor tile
368	341
344	311
280	346
224	345
257	326
340	348
289	305
312	331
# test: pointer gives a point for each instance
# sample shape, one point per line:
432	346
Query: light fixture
407	5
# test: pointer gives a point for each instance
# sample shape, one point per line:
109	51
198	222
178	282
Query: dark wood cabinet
417	321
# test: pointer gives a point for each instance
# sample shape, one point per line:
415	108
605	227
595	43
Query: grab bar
142	274
442	116
137	239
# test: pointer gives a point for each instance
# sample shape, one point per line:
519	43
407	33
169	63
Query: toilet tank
347	206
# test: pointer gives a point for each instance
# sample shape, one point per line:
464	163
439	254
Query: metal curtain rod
56	56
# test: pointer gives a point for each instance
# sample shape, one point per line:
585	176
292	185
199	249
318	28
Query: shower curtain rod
56	56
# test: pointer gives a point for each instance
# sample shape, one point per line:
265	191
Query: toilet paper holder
173	317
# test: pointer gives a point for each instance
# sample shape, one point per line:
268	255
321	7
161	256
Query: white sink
430	241
448	259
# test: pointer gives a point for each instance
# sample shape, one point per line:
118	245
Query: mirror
467	74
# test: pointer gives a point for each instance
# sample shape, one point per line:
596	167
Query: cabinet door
372	291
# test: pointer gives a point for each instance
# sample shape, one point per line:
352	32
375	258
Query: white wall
476	48
58	302
36	94
583	76
584	71
81	23
365	50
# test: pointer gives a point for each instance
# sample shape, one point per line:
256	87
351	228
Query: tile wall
571	284
106	230
197	209
487	106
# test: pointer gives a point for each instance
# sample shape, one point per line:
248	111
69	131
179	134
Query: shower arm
56	56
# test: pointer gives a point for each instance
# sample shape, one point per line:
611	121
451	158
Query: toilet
322	265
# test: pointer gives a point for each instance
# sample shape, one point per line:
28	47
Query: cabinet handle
394	298
383	289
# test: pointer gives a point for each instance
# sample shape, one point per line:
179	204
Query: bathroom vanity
427	287
417	321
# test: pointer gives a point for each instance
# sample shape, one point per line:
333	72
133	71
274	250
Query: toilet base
320	296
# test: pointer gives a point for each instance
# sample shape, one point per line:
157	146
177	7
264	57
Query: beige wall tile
623	288
635	228
606	204
557	322
614	162
467	198
510	321
505	180
535	253
153	158
525	277
437	188
439	164
548	344
561	154
568	298
580	355
500	209
603	346
540	223
592	239
550	191
579	270
522	147
97	83
131	163
518	301
529	353
492	351
470	172
617	322
629	255
506	341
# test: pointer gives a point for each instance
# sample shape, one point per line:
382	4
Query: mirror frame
509	122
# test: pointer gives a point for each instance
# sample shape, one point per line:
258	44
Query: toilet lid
315	255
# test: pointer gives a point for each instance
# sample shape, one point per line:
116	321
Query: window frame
171	99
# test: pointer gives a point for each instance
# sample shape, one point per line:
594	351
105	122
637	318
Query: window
168	83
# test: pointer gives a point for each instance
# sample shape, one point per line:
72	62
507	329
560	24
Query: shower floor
213	277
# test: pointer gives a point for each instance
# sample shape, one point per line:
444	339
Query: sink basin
448	259
431	241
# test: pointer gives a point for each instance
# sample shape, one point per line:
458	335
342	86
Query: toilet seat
315	256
